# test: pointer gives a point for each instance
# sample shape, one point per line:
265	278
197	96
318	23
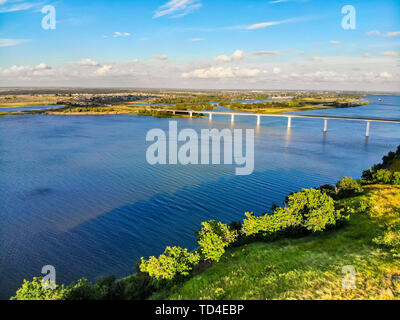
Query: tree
213	238
34	290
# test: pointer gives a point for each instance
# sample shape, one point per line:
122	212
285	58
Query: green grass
309	267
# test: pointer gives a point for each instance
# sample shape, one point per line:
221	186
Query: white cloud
237	55
380	34
221	73
121	34
264	53
316	58
326	76
390	54
378	73
103	70
334	42
197	39
17	7
88	62
162	57
42	66
177	8
276	70
386	75
245	72
272	23
12	42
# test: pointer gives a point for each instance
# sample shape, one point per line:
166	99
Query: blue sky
170	41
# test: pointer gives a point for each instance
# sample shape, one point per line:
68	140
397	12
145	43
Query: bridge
288	116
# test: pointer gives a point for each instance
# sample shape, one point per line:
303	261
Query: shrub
108	287
367	175
382	176
33	290
391	239
348	187
328	189
82	290
281	219
174	261
213	238
396	178
316	209
135	287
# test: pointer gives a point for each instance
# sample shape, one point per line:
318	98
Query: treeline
305	212
263	105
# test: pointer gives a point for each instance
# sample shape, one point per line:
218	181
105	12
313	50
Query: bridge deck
284	115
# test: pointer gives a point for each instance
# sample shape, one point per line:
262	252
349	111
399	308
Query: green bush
348	187
33	290
396	178
310	209
135	287
281	219
108	287
367	175
82	290
328	189
391	239
382	176
213	238
174	261
316	209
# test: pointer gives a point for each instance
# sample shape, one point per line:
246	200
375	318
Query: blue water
27	108
76	192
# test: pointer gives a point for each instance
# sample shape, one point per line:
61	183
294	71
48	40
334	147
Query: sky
201	44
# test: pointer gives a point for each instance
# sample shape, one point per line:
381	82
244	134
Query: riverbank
310	267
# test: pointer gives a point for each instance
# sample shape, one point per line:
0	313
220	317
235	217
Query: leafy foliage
348	187
213	238
391	238
174	261
82	290
281	219
34	290
315	208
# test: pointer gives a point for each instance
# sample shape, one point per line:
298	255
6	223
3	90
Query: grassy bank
108	110
309	267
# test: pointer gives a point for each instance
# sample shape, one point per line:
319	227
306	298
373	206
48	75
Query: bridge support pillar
191	114
210	116
173	112
325	125
232	117
258	120
368	129
289	123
